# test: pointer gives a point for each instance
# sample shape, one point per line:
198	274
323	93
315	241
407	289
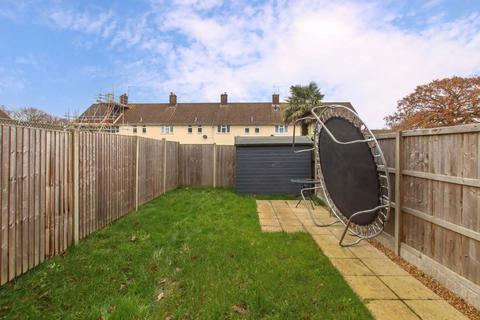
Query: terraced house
193	123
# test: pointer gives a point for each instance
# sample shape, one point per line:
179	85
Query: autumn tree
445	102
301	100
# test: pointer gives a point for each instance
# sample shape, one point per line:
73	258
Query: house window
199	129
144	129
247	130
190	129
134	129
281	129
223	129
257	130
167	129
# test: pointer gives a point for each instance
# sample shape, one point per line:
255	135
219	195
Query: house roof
234	113
3	115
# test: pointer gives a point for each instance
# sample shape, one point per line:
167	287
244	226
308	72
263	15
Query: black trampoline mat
349	171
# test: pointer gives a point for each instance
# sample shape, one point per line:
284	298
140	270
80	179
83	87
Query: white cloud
354	50
94	23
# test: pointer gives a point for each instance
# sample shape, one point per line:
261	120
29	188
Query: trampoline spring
382	176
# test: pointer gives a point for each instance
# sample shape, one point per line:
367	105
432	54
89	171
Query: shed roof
271	141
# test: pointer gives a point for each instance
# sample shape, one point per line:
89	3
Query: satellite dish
205	136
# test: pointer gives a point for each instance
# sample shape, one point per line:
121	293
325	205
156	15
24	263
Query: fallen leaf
133	238
162	282
122	286
160	296
194	258
111	308
239	309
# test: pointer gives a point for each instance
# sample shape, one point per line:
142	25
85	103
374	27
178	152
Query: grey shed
265	165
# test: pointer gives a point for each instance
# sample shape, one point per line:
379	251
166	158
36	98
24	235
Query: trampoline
351	172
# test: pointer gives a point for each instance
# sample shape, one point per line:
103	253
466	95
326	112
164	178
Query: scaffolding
104	115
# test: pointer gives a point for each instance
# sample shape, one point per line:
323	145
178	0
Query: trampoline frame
377	226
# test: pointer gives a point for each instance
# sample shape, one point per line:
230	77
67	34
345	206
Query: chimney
276	101
224	99
172	101
124	99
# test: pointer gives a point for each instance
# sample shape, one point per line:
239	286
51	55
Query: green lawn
189	254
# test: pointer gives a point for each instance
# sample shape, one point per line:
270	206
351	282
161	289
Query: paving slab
269	222
351	267
407	287
271	228
384	267
370	287
290	221
435	310
290	228
366	250
390	310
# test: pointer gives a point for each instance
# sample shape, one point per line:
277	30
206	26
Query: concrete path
388	291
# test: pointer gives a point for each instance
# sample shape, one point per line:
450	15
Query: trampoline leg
345	233
298	203
310	210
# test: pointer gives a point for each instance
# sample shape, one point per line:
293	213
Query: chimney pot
172	101
224	99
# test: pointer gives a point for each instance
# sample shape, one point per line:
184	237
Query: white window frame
247	130
257	130
223	129
199	129
167	129
281	129
190	129
144	129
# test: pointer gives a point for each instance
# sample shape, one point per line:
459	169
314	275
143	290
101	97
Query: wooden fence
203	165
437	188
58	187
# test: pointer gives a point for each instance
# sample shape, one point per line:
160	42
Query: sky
59	55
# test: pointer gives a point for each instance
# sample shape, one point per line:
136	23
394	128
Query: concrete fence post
398	190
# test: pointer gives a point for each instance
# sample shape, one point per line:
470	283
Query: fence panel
106	179
225	166
36	219
196	165
171	165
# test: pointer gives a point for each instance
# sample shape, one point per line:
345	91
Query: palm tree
301	100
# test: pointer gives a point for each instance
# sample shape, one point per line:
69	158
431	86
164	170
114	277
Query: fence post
398	190
164	165
214	165
136	174
76	186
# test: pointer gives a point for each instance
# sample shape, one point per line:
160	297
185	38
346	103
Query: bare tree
445	102
30	114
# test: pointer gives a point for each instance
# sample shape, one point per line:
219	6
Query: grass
190	254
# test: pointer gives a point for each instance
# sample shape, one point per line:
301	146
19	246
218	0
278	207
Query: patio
388	291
